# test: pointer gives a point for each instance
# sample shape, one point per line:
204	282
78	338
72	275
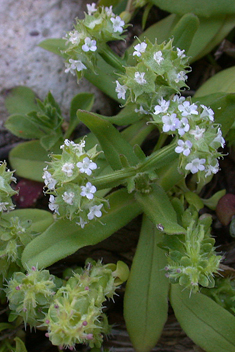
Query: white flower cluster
160	70
66	179
99	26
198	136
6	191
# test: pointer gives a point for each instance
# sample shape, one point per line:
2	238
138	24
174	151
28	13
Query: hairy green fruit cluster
14	236
75	315
192	261
30	294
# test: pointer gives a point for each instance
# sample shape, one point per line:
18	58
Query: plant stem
112	59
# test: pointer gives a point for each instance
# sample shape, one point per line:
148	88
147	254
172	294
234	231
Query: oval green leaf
223	81
65	237
157	206
21	100
145	301
111	140
209	325
198	7
41	219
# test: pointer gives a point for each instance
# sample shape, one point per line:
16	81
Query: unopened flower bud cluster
161	71
68	180
192	262
99	26
76	313
6	192
198	136
14	236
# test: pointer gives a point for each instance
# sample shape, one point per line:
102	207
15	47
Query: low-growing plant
100	182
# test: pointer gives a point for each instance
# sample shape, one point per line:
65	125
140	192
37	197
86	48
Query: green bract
30	294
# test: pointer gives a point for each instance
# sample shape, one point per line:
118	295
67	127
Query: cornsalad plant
100	182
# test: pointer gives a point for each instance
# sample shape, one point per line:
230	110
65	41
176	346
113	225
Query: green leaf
5	326
21	100
126	116
54	45
28	159
111	141
20	346
223	81
212	202
198	7
185	30
41	219
157	206
104	78
209	34
145	301
22	126
82	101
209	325
65	237
224	108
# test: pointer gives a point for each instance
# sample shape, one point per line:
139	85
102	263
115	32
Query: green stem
161	140
155	161
112	59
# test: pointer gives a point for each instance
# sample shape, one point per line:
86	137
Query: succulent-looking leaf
65	237
145	303
157	206
209	325
198	7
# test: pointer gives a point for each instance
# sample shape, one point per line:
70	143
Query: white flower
88	191
3	206
178	99
184	147
95	211
218	139
139	77
121	90
141	110
196	165
109	11
210	169
197	133
181	76
90	45
74	37
52	205
68	197
183	126
207	112
139	49
180	53
158	57
67	168
73	66
77	148
118	24
82	223
188	109
91	8
86	166
171	123
162	107
49	181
